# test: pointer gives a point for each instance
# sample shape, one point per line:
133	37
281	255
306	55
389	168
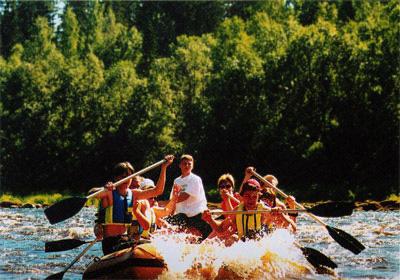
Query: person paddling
226	186
147	215
115	214
191	199
242	226
268	196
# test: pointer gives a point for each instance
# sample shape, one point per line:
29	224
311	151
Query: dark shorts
114	243
196	222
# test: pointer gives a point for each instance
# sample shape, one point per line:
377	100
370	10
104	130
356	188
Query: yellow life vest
247	224
146	233
138	230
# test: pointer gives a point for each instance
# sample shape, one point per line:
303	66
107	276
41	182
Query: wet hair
226	177
123	169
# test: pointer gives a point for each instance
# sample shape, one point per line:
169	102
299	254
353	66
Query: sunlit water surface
23	233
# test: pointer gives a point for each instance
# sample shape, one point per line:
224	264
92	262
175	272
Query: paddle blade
64	209
333	209
62	245
345	240
57	276
317	259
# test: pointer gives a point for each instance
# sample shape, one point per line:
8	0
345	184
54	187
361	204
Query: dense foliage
306	90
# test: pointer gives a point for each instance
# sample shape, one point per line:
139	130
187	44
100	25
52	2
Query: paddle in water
317	259
64	209
63	245
60	275
328	209
343	238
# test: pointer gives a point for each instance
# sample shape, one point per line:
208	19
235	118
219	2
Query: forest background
305	90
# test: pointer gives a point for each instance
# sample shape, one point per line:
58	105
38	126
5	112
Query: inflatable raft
140	262
143	262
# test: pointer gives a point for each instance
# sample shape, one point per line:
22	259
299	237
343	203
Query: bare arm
139	209
286	217
170	207
165	211
109	186
290	222
218	227
159	189
280	204
105	198
183	196
247	175
228	198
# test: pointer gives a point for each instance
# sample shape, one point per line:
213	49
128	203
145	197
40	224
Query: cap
253	182
250	185
146	184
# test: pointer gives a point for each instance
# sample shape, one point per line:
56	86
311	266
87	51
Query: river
23	233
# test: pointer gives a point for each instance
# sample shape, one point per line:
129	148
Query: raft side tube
140	262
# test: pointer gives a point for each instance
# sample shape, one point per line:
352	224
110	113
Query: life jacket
137	230
120	213
146	233
248	224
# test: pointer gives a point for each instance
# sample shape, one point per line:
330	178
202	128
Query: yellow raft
143	262
140	262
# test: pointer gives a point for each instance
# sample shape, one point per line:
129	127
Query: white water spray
271	257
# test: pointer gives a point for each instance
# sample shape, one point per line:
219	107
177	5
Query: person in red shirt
226	186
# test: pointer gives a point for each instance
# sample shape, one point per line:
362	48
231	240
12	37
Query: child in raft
148	215
242	226
268	196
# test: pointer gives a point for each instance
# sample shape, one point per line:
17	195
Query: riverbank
43	200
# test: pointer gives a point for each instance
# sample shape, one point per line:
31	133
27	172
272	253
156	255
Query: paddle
344	239
69	244
317	259
63	245
60	275
67	208
328	209
130	243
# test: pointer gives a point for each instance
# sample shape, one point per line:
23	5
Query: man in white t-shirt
191	200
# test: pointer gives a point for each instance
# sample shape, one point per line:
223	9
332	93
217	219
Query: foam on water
23	233
271	257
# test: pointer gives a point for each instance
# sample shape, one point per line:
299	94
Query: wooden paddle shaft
285	196
144	170
257	211
81	254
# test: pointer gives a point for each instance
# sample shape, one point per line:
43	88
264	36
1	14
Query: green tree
69	34
17	21
304	90
27	95
114	42
162	22
233	95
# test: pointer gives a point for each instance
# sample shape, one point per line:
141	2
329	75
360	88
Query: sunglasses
225	185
